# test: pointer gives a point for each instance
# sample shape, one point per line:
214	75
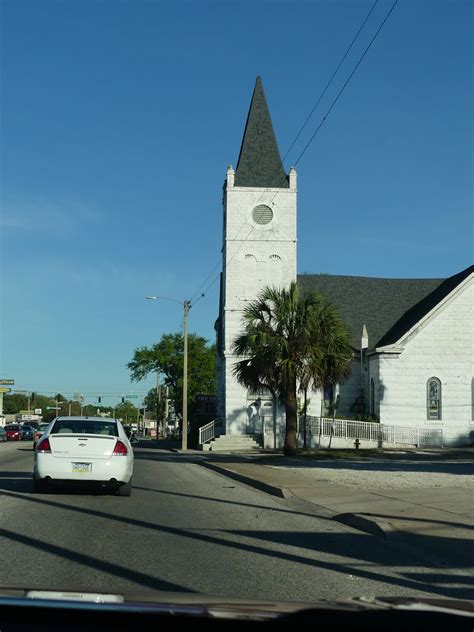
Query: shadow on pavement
138	577
22	482
159	444
274	510
463	466
16	481
165	457
405	518
288	546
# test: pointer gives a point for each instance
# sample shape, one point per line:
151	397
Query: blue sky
119	120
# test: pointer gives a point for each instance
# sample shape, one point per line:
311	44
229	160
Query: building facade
259	249
413	339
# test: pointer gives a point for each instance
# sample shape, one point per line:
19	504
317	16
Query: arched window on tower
275	271
433	399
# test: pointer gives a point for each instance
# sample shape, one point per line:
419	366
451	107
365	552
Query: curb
274	490
360	522
373	526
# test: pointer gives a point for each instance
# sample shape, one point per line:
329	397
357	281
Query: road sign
20	392
5	390
131	396
38	411
53	407
7	382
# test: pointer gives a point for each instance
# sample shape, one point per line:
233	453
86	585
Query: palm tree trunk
290	447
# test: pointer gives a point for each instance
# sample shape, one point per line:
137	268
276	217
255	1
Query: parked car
13	432
3	434
38	433
84	449
27	432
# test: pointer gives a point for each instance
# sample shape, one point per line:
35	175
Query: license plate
81	468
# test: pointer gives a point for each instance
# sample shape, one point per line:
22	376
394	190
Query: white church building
413	339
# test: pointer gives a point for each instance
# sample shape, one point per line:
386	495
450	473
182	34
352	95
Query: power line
219	262
323	120
331	79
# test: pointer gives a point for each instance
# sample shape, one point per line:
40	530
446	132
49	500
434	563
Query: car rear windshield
85	426
12	427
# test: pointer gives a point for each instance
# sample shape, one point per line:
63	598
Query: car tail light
120	449
44	446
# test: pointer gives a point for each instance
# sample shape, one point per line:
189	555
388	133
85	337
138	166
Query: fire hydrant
356	444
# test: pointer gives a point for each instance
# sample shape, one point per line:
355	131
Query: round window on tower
262	214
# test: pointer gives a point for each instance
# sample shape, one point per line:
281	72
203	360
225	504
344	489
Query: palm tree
291	340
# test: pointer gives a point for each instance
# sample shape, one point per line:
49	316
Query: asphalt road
188	529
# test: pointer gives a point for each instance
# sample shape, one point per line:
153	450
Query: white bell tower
259	249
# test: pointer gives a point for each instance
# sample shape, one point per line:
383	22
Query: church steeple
259	163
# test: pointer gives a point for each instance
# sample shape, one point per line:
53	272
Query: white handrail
208	432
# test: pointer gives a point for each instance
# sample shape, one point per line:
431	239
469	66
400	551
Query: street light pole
184	445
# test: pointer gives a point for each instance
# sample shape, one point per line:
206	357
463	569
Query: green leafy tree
155	406
291	340
127	412
12	404
166	358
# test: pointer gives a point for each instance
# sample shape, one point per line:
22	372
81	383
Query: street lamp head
166	298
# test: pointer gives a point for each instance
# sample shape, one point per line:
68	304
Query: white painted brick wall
245	276
442	348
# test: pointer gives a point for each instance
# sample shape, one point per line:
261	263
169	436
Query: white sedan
92	449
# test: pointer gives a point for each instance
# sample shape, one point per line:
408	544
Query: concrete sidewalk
435	521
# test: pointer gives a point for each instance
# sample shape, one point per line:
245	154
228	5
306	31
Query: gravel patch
382	474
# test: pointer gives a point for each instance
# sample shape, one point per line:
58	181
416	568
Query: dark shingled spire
259	162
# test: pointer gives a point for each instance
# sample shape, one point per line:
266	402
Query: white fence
371	431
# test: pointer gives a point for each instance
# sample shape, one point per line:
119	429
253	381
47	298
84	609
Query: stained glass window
433	403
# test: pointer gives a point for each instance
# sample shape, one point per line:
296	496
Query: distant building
413	339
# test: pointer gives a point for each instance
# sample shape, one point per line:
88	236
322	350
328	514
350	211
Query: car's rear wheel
125	489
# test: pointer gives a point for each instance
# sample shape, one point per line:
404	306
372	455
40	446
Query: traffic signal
100	399
123	399
33	397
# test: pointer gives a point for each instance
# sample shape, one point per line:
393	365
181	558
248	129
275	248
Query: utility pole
186	305
159	420
184	445
167	412
158	405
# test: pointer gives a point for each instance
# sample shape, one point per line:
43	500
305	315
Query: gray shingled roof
259	163
380	304
420	309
